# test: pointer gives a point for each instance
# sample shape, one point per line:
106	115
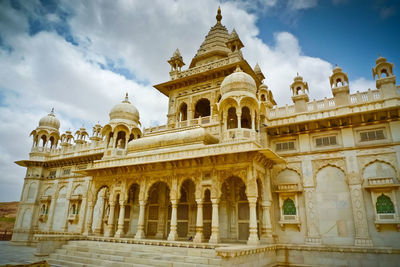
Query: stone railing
287	188
209	66
380	180
326	104
203	121
72	150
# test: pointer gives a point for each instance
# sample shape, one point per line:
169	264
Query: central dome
124	111
238	81
50	121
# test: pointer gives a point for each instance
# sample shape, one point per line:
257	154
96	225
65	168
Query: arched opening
44	140
245	120
232	118
262	97
219	98
158	211
186	215
298	89
202	108
384	73
207	214
234	210
52	142
132	210
384	204
183	112
339	82
120	143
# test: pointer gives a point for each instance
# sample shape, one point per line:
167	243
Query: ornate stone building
315	183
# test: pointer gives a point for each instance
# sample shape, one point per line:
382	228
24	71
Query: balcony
380	183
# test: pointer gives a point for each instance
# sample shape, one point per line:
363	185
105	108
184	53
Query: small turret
386	81
81	135
46	135
176	62
234	43
340	86
258	72
299	94
96	134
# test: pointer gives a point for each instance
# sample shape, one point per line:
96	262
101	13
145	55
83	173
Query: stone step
134	255
62	263
82	261
122	247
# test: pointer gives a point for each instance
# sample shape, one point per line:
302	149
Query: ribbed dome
337	69
238	81
50	121
125	111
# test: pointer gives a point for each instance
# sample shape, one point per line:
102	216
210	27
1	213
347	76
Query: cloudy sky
80	57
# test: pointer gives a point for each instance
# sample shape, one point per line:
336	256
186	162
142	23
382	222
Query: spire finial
297	74
219	16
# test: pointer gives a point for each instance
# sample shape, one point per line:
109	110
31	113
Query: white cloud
302	4
44	71
361	84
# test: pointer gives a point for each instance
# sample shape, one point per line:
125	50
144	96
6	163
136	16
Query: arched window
384	73
262	97
202	108
183	112
289	208
44	140
297	90
384	204
339	82
232	118
246	118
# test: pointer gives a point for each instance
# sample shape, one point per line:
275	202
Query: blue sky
81	57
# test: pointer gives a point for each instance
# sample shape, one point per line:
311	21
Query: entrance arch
157	211
186	214
234	212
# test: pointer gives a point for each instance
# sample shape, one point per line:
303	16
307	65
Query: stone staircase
94	253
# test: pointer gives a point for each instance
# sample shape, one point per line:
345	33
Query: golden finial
219	16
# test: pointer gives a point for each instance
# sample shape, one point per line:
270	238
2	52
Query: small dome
380	59
298	78
238	81
337	69
124	111
50	121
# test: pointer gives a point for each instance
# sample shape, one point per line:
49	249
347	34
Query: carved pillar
198	238
64	228
239	119
253	120
173	235
253	231
214	238
140	232
89	222
362	237
110	221
266	228
121	220
313	237
82	214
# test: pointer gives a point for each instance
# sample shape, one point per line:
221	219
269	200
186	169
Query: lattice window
372	135
325	141
285	146
289	208
384	204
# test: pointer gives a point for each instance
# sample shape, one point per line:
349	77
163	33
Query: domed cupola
50	121
46	135
124	111
238	83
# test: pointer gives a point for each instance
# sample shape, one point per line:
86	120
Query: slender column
198	238
121	220
239	119
65	226
253	119
214	238
82	214
253	236
225	121
266	228
140	232
110	222
173	235
89	222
